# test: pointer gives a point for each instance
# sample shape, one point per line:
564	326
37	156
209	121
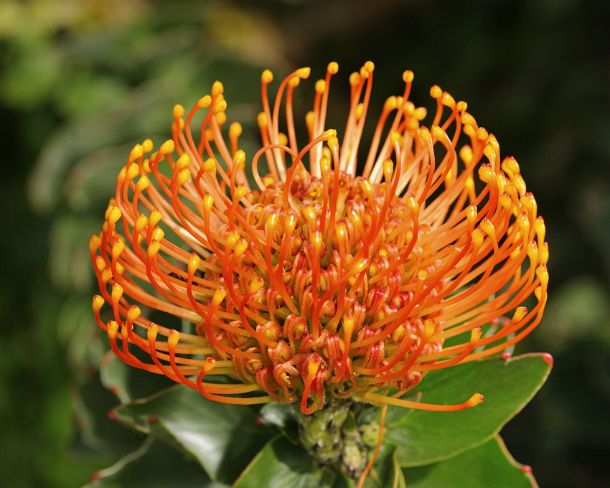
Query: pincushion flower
317	267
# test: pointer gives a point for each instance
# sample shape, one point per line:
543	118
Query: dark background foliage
82	81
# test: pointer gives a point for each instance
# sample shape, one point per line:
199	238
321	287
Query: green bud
370	433
342	435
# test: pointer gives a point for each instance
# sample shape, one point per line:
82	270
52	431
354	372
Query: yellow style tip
167	147
133	313
475	400
194	262
303	73
266	76
94	243
97	303
173	338
333	67
178	111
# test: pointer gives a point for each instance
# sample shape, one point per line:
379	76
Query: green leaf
281	463
424	437
386	472
129	383
277	414
487	465
69	260
223	438
153	465
76	331
113	375
35	66
281	416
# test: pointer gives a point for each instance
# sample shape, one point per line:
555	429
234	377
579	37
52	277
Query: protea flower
337	271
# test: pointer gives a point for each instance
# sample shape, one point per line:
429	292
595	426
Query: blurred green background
82	80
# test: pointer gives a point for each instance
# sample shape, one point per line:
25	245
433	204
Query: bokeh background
82	80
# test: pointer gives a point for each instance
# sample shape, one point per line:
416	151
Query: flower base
342	435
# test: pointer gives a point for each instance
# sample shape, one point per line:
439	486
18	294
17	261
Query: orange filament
342	271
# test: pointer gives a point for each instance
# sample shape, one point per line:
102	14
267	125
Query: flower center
307	292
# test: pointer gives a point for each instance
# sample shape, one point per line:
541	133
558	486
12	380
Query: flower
339	270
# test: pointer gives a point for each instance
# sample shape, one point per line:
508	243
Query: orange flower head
319	268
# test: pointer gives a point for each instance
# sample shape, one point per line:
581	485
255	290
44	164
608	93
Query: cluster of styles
338	271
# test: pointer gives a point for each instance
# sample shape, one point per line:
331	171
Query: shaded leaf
35	66
76	330
579	310
281	463
153	465
223	438
386	472
68	256
487	465
113	375
98	429
424	437
98	91
281	415
129	383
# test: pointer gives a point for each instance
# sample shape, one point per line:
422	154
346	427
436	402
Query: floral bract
320	267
